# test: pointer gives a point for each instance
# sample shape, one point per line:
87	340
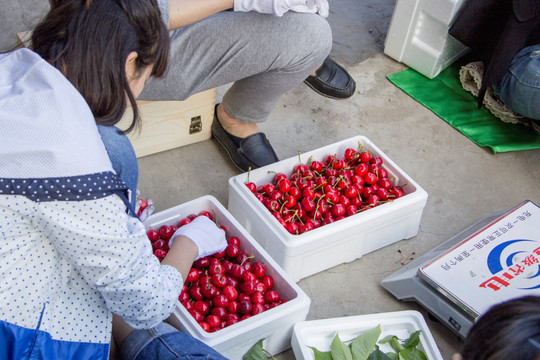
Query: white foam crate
320	333
418	35
275	325
336	243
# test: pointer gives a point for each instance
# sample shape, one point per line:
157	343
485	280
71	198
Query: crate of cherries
318	193
231	300
224	288
327	206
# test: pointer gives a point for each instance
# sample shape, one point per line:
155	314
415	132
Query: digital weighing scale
493	260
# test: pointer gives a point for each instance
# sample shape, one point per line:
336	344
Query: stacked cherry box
402	325
275	324
371	227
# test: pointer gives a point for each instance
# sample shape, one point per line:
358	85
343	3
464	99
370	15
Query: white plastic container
418	35
320	333
275	325
336	243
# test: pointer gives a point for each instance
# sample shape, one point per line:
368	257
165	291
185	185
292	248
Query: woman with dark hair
71	255
510	330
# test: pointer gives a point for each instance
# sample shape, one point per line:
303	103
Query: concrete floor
464	182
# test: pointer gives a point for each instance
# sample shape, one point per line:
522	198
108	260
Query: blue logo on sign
503	258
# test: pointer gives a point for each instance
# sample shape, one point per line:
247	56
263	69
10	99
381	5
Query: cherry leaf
362	346
412	354
321	355
339	350
413	340
377	354
256	352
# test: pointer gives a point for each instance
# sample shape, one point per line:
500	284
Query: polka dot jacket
70	256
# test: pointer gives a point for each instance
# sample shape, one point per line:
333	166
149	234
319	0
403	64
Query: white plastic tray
320	333
336	243
275	325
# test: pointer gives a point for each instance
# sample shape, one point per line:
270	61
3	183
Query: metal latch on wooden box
196	125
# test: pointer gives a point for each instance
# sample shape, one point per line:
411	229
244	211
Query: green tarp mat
445	96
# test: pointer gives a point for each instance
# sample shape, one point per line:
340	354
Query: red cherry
257	309
158	244
206	213
160	254
351	154
213	321
152	234
284	185
220	312
230	292
268	281
220	300
233	240
272	296
165	232
365	157
251	186
201	306
193	275
196	315
316	166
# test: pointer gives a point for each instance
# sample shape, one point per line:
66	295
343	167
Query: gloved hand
280	7
208	237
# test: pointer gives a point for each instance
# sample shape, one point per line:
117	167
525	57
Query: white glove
208	237
280	7
320	7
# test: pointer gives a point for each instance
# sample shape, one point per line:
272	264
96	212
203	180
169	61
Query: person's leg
264	55
122	156
162	342
520	87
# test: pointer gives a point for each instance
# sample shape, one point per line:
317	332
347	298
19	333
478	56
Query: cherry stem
215	217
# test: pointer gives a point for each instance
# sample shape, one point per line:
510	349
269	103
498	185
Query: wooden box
170	124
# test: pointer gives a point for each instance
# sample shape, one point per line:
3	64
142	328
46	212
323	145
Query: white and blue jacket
70	256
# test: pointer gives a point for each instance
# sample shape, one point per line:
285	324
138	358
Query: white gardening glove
208	237
280	7
314	7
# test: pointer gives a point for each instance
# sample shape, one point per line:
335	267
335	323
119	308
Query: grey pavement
464	181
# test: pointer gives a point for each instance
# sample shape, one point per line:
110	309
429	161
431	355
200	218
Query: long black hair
89	41
510	330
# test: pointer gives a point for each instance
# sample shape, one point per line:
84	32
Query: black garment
496	30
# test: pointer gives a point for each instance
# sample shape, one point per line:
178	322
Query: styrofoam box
418	35
332	244
275	325
320	333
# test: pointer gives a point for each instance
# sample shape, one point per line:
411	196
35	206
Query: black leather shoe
332	81
252	152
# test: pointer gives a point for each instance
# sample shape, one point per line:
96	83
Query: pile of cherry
224	288
321	192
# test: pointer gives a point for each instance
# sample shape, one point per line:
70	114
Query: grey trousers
264	56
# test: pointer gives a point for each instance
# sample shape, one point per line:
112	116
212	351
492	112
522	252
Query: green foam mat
445	96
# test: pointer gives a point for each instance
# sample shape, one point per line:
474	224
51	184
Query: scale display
495	259
497	263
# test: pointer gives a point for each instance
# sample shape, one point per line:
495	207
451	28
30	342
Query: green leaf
362	346
392	355
321	355
413	340
396	345
412	354
256	352
339	350
387	339
377	354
